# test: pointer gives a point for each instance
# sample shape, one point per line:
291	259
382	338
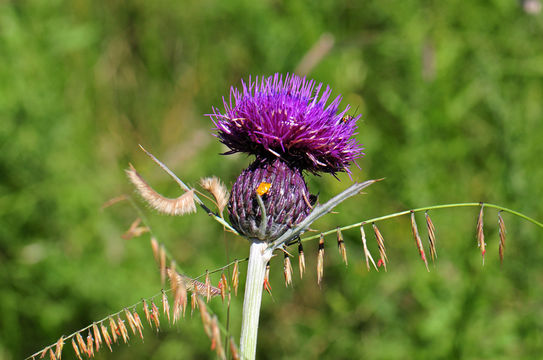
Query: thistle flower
286	123
288	118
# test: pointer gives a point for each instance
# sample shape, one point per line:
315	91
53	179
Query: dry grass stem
181	205
235	277
301	259
162	264
267	285
155	247
320	260
135	230
216	187
341	246
105	334
418	241
233	349
480	233
431	236
383	259
367	253
287	270
502	231
76	349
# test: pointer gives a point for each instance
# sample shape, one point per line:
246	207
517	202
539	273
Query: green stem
434	207
256	272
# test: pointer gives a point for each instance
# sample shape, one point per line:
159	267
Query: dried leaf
181	205
418	241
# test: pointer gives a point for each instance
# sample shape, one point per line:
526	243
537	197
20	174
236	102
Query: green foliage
450	93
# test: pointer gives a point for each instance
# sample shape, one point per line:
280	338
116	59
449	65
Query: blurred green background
451	94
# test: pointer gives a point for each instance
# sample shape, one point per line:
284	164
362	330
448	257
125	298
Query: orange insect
263	188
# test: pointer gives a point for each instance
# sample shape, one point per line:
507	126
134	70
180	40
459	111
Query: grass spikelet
502	231
181	205
208	286
162	264
235	278
122	329
59	346
44	352
52	354
172	274
97	337
138	324
155	247
206	319
481	234
267	285
233	349
341	246
216	340
383	259
114	330
216	187
223	286
320	260
105	334
76	349
165	305
131	321
135	230
90	343
147	313
155	315
418	241
431	236
301	259
193	303
287	270
367	253
81	343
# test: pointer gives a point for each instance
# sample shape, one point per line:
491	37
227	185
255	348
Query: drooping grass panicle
480	233
320	261
181	205
341	246
383	259
502	231
431	236
367	253
418	240
216	188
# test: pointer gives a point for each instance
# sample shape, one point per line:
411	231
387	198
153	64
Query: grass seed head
367	253
383	259
341	246
418	241
301	259
502	231
431	236
480	233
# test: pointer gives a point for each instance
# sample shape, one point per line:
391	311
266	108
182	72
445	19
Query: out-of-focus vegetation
451	94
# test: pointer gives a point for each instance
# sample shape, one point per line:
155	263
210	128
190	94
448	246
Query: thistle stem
256	271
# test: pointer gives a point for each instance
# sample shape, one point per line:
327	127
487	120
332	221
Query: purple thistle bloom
288	118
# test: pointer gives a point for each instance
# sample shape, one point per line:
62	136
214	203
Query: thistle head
287	118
